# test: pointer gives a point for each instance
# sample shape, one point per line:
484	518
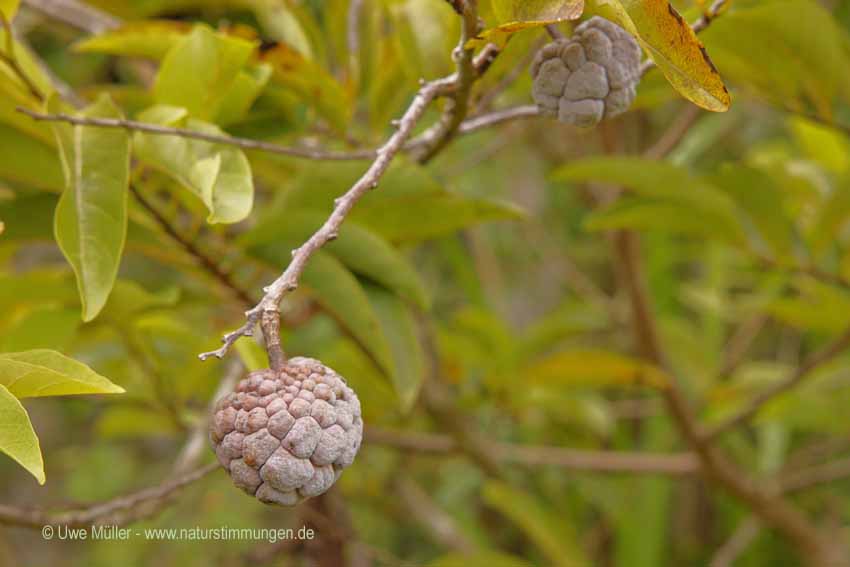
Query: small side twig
245	143
799	374
118	511
206	262
289	279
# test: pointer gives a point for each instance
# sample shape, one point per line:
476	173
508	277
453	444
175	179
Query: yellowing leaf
42	372
674	47
91	217
536	11
516	15
17	438
595	368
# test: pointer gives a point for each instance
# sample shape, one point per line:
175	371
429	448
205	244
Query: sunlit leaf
17	438
148	38
673	45
219	175
199	69
91	217
43	372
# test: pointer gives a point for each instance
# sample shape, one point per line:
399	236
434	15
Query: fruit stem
270	323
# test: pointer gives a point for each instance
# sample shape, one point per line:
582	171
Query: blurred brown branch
118	511
798	375
542	455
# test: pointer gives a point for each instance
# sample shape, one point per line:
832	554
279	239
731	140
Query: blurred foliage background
478	298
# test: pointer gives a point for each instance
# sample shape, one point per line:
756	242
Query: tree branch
804	370
289	279
210	265
118	511
541	455
245	143
769	507
76	14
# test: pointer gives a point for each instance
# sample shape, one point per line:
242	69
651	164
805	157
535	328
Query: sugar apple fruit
284	436
588	77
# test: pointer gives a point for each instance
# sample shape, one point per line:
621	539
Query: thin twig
440	134
439	524
738	542
541	455
289	279
76	14
210	265
245	143
795	481
800	373
118	511
496	117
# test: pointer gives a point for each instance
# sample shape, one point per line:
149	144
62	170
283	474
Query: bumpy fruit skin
286	436
588	77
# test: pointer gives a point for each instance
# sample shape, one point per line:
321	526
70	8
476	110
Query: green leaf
360	249
11	84
674	47
42	327
343	297
17	438
252	355
152	39
784	51
665	191
419	217
91	217
313	84
758	196
43	372
219	175
35	164
551	536
246	87
595	368
131	422
198	71
408	360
